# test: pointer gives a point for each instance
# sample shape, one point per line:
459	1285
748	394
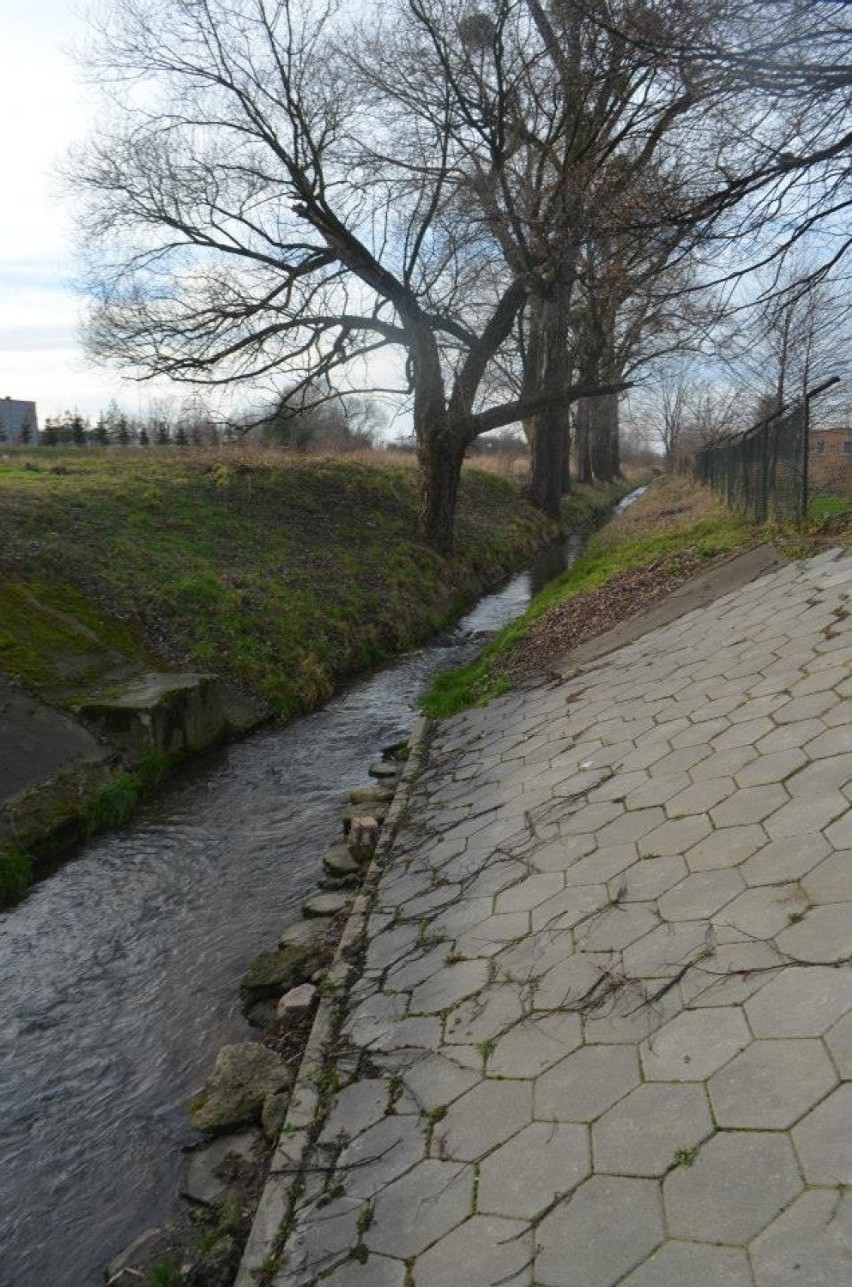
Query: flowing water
119	974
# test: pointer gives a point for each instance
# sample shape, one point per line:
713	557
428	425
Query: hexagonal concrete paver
420	1207
643	1133
611	1225
694	1044
481	1119
449	986
485	1250
787	859
810	1245
374	1271
739	1182
749	804
726	848
586	1084
700	895
823	1139
525	1176
675	836
693	1264
771	1083
824	934
800	1002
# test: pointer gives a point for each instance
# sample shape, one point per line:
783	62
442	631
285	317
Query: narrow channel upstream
119	974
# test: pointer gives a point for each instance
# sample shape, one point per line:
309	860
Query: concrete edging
296	1138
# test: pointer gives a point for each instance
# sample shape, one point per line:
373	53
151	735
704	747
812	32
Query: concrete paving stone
595	1237
561	855
417	966
824	776
693	1264
436	1079
375	1271
823	1139
804	708
784	860
665	950
481	1119
526	1175
791	736
757	707
322	1239
839	833
496	875
683	761
739	1182
749	804
665	727
357	1107
802	1001
482	1252
699	797
722	764
619	786
419	1208
642	1134
809	1245
839	715
491	935
566	984
462	916
831	880
586	1084
629	827
389	945
776	767
694	1044
803	816
829	742
633	1015
647	879
528	893
726	848
839	1042
373	1017
765	910
645	756
533	956
729	974
423	1033
601	865
380	1154
534	1045
747	733
484	1016
590	818
570	907
616	928
700	895
675	837
771	1084
823	936
700	730
450	986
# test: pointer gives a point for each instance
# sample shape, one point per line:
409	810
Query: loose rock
326	905
385	772
272	973
371	795
242	1077
339	862
296	1003
363	838
357	813
302	934
207	1175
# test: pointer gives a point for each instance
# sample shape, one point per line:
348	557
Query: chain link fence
786	468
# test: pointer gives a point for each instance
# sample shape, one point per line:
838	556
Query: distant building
18	423
831	460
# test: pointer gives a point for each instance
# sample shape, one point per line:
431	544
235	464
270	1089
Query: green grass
16	872
285	575
821	507
619	547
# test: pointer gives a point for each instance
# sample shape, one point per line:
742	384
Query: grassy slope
283	575
674	515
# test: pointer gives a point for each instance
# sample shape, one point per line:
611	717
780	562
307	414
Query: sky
44	107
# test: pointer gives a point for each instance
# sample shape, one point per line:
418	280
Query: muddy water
119	975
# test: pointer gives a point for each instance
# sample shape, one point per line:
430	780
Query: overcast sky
44	108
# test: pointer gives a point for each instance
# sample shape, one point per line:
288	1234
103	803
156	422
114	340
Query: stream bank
120	975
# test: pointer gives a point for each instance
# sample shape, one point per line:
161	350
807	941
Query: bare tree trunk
547	460
567	481
440	465
583	437
604	437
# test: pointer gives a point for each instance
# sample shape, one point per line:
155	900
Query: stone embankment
244	1104
590	1025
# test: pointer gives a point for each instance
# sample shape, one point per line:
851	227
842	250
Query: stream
119	974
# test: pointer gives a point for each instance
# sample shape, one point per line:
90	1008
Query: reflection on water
119	975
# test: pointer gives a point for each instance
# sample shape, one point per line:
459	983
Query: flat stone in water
371	795
384	771
340	862
272	973
234	1094
326	905
302	934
